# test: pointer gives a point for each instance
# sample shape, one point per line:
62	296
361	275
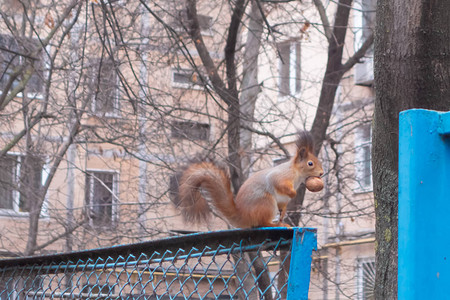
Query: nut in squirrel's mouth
314	184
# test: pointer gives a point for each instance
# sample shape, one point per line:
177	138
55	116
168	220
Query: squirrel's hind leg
282	209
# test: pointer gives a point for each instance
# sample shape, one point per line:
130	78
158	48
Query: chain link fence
263	263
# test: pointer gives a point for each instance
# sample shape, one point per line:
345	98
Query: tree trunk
249	87
412	70
333	74
228	93
38	202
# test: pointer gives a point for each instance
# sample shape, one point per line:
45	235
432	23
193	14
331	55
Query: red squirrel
261	196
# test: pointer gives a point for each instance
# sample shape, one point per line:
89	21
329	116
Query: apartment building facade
118	98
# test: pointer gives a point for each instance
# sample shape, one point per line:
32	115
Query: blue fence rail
424	205
263	263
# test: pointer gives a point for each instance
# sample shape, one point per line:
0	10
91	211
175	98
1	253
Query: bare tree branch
7	96
208	63
356	57
325	22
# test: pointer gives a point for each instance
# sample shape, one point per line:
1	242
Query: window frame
205	23
15	173
114	112
179	133
289	68
37	73
360	280
363	22
363	143
111	2
15	210
114	198
11	292
103	291
363	25
192	84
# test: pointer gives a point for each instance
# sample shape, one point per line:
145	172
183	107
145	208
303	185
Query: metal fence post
424	205
303	243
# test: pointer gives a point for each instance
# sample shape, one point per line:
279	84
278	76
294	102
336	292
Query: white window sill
37	96
363	190
286	97
109	115
10	213
187	86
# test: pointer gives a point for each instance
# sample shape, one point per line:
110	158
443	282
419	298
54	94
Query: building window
112	2
205	23
101	198
28	288
7	290
363	24
364	21
363	161
184	78
106	88
279	161
181	21
14	53
33	287
19	183
190	130
173	188
366	279
289	68
98	291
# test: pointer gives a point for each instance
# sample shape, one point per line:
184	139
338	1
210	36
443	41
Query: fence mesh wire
233	264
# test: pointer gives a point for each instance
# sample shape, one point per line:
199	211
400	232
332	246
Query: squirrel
261	196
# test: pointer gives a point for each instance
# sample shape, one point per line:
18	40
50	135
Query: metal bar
444	124
303	243
42	295
424	206
132	263
349	243
198	240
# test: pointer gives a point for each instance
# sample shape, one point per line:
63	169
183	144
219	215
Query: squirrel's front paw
281	224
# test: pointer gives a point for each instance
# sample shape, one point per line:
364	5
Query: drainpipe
142	151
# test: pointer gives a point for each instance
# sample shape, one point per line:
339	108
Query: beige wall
342	215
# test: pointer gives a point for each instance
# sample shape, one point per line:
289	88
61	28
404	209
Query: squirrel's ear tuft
302	153
304	144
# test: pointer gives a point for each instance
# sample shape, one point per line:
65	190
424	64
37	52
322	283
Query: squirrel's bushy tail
200	181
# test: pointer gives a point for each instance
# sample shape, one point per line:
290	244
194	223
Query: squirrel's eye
310	163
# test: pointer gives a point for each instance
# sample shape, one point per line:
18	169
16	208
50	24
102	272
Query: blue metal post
424	205
303	243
